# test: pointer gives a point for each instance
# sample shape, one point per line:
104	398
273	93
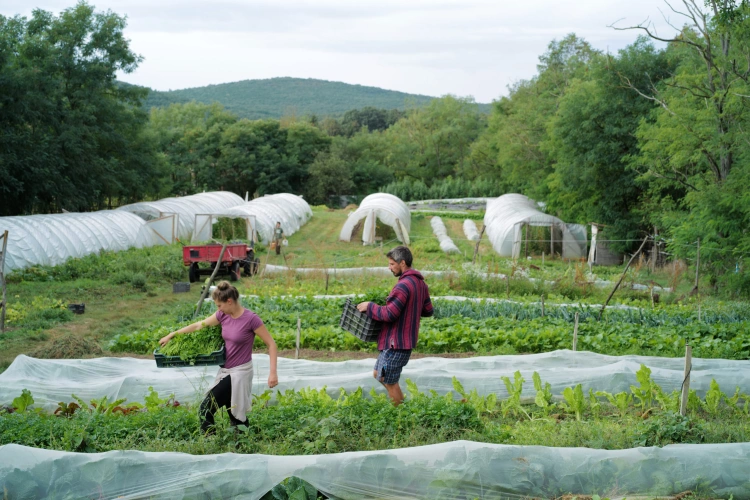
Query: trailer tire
193	273
234	272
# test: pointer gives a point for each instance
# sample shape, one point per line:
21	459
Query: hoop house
385	207
51	239
291	210
507	215
186	208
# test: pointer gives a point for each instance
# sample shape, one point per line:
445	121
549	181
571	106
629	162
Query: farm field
129	305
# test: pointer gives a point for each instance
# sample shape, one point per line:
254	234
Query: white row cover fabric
439	230
385	207
52	381
291	210
506	216
186	208
460	469
470	230
51	239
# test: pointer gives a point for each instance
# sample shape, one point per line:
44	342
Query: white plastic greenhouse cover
51	239
459	469
186	207
506	216
291	210
52	381
386	207
439	230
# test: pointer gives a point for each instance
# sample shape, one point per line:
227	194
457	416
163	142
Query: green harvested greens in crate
188	346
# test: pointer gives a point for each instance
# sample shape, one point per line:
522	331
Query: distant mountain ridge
277	97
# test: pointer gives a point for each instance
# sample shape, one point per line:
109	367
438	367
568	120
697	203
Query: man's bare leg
394	390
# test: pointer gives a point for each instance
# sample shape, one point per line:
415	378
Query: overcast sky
462	47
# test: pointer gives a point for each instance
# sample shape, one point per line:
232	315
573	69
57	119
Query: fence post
686	380
542	297
697	262
2	281
299	328
575	334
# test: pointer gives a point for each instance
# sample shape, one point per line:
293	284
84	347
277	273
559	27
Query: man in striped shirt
406	304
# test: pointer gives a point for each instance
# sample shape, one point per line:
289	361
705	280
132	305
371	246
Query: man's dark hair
401	253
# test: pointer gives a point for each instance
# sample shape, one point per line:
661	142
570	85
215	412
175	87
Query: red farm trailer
237	256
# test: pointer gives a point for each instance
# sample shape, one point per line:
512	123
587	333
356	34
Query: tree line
649	139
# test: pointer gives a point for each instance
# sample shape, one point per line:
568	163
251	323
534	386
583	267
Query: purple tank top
239	335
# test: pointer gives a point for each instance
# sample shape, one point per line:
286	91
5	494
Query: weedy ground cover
311	421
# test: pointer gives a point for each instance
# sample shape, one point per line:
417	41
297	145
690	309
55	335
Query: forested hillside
276	97
652	138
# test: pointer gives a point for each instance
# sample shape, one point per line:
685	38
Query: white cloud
471	47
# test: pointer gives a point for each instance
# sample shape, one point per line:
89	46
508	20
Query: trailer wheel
234	273
193	273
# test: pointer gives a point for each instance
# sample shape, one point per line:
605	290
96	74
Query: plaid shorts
390	363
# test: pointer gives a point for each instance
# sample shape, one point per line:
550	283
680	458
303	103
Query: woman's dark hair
401	253
225	291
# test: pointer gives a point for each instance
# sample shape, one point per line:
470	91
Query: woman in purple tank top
233	383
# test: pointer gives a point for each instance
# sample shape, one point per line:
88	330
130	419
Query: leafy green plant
292	488
643	393
713	398
23	402
621	400
667	428
576	402
512	405
482	404
543	397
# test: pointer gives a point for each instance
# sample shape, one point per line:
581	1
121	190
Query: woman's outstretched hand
163	341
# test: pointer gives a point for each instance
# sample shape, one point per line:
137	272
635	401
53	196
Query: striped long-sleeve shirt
406	304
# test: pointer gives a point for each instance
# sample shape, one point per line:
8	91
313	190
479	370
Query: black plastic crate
215	358
359	324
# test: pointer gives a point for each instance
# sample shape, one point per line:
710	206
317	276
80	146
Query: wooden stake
697	262
686	380
3	301
326	280
210	280
476	247
507	286
299	328
575	333
542	298
265	264
622	277
542	259
527	241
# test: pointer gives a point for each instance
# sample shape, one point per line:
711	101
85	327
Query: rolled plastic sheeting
51	239
470	230
379	206
291	210
459	469
52	381
439	230
186	207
